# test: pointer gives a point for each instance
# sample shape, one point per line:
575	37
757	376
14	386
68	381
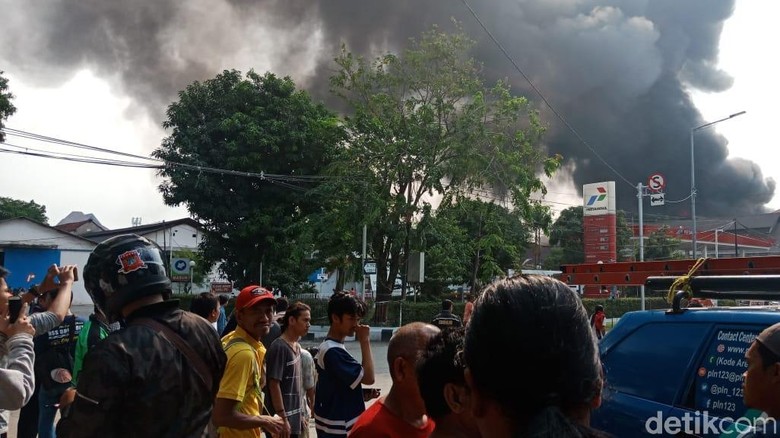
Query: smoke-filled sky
631	76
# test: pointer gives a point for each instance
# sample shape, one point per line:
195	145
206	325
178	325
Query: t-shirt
284	364
379	422
338	399
241	380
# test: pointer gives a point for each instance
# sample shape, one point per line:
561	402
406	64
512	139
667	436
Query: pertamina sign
598	198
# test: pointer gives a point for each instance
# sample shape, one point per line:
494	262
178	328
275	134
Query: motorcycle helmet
121	270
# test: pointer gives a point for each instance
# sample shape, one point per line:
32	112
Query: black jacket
136	383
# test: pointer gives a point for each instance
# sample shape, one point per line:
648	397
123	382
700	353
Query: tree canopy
11	208
423	126
271	138
6	107
567	238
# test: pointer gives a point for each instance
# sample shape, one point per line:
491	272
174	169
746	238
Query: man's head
223	299
345	312
206	305
441	381
446	305
296	319
761	380
123	269
255	307
282	304
404	352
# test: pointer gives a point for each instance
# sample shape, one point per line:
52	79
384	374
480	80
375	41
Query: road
378	352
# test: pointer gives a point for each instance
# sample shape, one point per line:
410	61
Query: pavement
378	352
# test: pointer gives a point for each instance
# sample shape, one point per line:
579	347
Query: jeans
48	403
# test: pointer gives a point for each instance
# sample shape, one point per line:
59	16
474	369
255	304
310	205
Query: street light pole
693	173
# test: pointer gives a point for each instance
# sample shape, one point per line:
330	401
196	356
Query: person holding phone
16	377
60	278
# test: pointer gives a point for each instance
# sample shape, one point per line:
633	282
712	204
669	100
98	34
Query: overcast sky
87	102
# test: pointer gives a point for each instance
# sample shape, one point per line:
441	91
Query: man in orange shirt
402	412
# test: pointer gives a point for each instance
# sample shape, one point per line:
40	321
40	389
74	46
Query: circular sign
656	182
180	265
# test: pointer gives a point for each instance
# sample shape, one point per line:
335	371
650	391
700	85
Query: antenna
136	221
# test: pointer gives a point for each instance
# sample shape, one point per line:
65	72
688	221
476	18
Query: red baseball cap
251	295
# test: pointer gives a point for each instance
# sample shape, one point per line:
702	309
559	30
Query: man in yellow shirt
238	410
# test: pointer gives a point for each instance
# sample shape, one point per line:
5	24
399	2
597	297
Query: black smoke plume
617	70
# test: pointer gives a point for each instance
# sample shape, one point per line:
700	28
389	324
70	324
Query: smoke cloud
617	70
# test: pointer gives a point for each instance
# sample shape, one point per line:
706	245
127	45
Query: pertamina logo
600	197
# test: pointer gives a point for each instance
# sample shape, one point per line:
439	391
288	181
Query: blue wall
23	261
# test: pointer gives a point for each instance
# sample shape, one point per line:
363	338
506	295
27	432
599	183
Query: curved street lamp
693	174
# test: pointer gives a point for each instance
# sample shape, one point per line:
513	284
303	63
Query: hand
22	324
273	425
362	332
67	274
67	397
48	281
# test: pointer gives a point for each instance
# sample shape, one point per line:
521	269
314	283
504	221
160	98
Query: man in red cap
239	406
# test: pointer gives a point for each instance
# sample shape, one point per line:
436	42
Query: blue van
678	372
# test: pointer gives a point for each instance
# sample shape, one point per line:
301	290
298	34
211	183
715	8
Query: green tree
424	125
272	139
661	245
473	241
6	107
11	208
567	234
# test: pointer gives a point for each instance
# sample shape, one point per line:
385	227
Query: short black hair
343	302
4	272
282	304
293	311
223	299
437	367
446	305
203	304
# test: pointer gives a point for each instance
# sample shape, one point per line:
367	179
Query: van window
653	362
718	382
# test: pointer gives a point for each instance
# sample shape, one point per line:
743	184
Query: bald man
402	412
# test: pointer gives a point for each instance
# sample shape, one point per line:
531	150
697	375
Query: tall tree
662	245
11	208
6	107
422	124
271	139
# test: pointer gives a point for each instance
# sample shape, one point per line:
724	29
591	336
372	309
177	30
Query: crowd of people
141	366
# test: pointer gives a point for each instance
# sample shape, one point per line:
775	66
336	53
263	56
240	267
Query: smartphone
75	273
14	307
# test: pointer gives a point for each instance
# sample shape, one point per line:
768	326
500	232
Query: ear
596	402
458	397
397	370
478	403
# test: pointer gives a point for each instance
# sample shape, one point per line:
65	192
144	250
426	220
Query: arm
362	334
278	404
17	382
226	415
61	303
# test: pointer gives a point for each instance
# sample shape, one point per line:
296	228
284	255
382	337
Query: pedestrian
443	387
222	320
285	370
206	305
238	410
95	330
308	384
555	381
156	377
42	320
339	394
445	319
401	413
468	308
597	321
17	375
761	382
54	358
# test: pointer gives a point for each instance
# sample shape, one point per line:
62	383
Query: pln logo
598	198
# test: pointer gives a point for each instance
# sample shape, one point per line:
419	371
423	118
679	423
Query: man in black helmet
158	376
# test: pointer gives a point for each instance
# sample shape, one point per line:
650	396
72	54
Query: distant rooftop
78	217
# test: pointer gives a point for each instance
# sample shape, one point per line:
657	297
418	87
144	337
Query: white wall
78	258
24	232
